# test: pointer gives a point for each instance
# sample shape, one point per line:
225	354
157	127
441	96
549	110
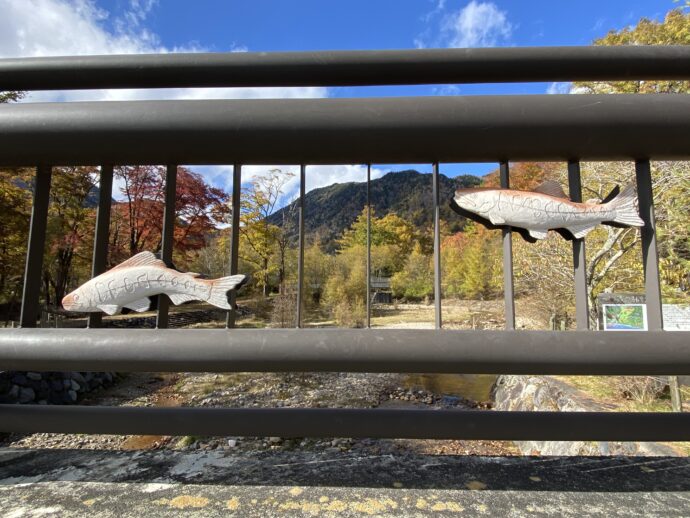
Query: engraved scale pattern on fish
132	282
548	208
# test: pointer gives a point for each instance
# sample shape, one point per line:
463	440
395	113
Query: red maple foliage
137	219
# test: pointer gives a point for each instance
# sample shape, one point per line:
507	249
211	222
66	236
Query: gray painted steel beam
303	422
100	240
331	131
437	249
300	244
235	239
368	268
33	269
341	68
353	350
650	262
508	288
579	254
650	255
167	238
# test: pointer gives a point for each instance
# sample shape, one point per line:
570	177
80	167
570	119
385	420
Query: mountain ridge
332	209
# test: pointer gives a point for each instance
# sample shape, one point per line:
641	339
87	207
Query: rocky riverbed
253	390
56	388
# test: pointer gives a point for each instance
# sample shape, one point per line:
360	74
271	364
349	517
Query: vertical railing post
34	251
437	248
579	256
167	238
368	246
650	263
300	261
235	239
650	256
100	240
508	288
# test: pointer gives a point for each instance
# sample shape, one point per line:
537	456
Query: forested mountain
332	209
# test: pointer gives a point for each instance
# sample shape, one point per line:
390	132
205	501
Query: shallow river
476	387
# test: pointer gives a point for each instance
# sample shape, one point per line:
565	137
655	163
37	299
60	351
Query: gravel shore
253	390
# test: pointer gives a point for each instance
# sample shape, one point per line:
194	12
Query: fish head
475	200
79	300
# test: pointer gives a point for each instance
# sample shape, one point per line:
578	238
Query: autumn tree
317	267
286	254
69	236
671	181
15	200
259	238
471	263
673	30
12	96
544	269
395	244
137	219
214	259
613	254
199	209
392	241
416	280
345	289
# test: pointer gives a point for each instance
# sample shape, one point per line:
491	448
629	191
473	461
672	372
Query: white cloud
316	176
598	24
179	93
62	27
559	88
36	28
439	6
478	24
419	42
137	13
446	90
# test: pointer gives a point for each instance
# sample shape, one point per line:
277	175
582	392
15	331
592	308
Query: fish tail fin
625	205
220	288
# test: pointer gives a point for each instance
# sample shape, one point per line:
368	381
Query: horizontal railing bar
354	350
347	68
366	130
311	422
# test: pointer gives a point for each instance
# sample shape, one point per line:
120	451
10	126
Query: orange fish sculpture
131	283
546	208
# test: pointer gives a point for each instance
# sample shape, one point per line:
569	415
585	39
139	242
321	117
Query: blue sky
68	27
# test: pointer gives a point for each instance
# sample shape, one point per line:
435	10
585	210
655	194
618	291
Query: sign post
628	312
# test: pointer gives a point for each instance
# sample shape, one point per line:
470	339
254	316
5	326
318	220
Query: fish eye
76	297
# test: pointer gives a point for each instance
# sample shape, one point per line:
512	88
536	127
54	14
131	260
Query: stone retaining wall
543	393
57	388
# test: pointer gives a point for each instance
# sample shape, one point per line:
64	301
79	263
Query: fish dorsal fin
141	259
552	188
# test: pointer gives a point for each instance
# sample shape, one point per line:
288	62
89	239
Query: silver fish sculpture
131	283
548	208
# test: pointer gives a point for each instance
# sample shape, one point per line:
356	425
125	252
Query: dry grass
603	390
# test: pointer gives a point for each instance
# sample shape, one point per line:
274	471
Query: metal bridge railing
568	128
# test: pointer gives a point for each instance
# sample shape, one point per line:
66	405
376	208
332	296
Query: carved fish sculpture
130	283
548	208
